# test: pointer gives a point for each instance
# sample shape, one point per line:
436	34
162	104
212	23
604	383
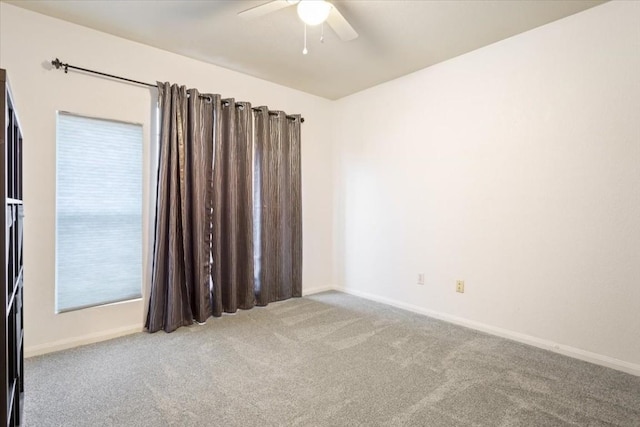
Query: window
98	212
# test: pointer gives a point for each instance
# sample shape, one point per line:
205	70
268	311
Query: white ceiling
395	37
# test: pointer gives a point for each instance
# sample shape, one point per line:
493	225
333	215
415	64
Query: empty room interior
310	213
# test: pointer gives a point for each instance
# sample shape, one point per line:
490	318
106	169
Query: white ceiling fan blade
340	25
264	9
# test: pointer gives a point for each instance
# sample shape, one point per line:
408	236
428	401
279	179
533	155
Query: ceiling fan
311	12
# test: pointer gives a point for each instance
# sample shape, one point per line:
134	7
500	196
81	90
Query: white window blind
98	212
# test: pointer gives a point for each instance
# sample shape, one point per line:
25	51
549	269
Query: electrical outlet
420	278
460	286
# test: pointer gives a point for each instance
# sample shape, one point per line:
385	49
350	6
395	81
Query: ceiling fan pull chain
322	34
305	51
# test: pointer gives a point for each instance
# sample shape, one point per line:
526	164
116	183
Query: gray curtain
180	288
233	279
277	182
228	219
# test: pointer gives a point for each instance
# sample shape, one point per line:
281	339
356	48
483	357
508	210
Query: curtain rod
271	113
59	64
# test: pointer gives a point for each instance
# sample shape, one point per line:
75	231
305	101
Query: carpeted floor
326	360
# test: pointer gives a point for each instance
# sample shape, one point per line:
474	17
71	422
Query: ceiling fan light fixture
313	12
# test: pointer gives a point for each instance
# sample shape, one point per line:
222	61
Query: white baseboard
64	344
317	290
587	356
566	350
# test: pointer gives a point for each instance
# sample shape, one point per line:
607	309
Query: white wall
515	168
28	42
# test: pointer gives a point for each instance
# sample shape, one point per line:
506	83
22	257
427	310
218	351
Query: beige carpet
325	360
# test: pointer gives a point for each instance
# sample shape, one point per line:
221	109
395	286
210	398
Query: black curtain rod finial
56	63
